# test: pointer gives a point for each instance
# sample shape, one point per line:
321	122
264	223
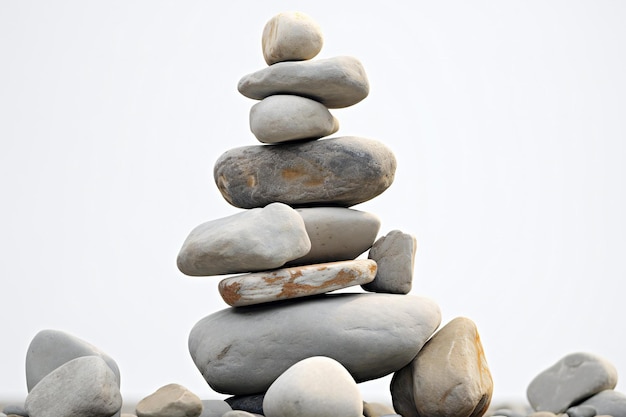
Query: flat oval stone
241	351
607	403
335	82
337	234
395	256
85	386
291	36
450	376
341	171
572	379
313	387
252	240
50	349
284	118
295	282
172	400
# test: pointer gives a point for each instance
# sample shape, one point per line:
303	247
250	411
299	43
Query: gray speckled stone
607	402
85	386
355	329
172	400
395	256
214	408
340	171
291	36
284	118
572	379
50	349
252	240
337	234
335	82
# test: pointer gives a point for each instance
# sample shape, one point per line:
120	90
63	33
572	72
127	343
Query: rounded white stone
316	386
291	36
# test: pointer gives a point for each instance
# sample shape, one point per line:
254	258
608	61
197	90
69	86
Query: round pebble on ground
172	400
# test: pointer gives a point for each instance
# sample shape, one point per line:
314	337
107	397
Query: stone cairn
286	348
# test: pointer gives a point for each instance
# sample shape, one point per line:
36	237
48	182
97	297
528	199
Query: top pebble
291	36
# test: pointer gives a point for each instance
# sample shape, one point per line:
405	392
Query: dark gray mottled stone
340	171
50	349
607	402
335	82
249	403
371	335
572	379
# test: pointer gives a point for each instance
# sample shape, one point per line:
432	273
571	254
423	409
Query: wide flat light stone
172	400
607	403
85	386
313	387
341	171
450	376
284	118
295	282
241	351
50	349
335	82
291	36
252	240
395	256
572	379
337	234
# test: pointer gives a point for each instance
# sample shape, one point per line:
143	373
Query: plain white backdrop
508	120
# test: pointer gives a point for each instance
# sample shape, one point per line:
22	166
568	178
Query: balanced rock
252	240
607	402
316	386
371	335
395	256
85	386
294	282
291	36
172	400
335	82
450	376
337	234
50	349
572	379
283	118
342	171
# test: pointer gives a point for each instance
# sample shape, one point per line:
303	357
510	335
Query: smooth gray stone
581	411
313	387
172	400
16	410
284	118
85	386
243	350
335	82
395	256
607	402
570	380
50	349
253	240
250	403
341	171
214	408
291	36
337	234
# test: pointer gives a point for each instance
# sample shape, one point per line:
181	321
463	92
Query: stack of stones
284	344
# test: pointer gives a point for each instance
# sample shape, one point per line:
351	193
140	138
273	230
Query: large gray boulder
335	82
341	171
242	351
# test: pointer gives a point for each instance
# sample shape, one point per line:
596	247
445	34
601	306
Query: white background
508	120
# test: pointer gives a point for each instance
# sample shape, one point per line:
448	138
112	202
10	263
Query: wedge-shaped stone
252	240
341	171
572	379
291	36
295	282
337	234
449	376
85	386
283	118
395	256
335	82
241	351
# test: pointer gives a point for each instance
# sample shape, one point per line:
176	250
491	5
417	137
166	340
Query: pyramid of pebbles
283	338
